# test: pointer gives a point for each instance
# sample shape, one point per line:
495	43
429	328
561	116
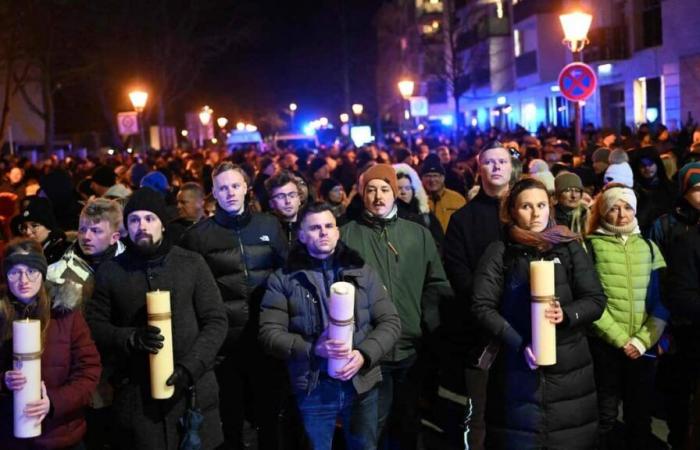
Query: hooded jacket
70	368
293	316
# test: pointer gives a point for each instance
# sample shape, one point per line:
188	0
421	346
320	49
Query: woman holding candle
531	406
633	320
70	364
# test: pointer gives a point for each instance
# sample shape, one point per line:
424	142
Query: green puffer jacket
408	263
628	271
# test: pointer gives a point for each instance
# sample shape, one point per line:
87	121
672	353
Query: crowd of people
437	241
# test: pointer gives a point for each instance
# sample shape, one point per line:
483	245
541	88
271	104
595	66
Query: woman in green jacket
633	320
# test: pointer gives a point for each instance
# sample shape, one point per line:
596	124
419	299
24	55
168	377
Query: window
652	30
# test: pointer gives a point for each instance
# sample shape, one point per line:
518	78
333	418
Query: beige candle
544	333
341	311
26	349
162	364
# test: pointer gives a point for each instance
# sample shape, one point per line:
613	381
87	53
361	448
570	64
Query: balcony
607	43
526	64
526	8
488	28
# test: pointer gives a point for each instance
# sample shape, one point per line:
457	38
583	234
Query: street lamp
344	118
138	101
406	87
292	110
221	122
575	25
357	109
205	119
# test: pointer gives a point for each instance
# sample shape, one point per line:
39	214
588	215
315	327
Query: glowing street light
240	126
406	88
250	127
323	121
221	122
292	107
357	109
576	25
344	118
205	115
138	101
292	110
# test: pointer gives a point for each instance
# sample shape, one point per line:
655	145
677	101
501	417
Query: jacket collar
344	258
379	222
227	220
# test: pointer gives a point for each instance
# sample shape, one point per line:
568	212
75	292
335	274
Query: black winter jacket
291	318
241	252
118	307
552	407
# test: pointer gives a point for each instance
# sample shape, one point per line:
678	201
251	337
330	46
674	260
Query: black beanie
38	210
146	199
432	164
104	176
34	260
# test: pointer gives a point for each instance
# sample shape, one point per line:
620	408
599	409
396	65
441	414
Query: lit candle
544	332
341	311
162	363
26	349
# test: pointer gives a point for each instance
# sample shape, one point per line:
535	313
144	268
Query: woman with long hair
530	406
70	363
633	320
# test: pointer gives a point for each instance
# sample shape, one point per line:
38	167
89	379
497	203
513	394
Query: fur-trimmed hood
344	257
418	191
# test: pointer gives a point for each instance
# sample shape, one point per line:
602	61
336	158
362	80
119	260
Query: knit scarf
544	240
630	228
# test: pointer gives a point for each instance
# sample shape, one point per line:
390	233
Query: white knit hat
610	196
619	173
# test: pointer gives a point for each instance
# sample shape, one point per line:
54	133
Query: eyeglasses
282	196
29	226
572	190
14	275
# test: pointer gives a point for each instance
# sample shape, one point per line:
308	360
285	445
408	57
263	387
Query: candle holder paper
341	316
161	364
544	332
26	349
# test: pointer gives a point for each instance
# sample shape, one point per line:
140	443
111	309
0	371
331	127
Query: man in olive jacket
118	321
405	255
294	321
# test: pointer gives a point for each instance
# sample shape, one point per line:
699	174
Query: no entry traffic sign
577	81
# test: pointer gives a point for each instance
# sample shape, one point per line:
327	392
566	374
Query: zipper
385	234
630	292
243	256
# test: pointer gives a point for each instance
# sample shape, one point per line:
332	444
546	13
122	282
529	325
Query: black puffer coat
552	407
241	252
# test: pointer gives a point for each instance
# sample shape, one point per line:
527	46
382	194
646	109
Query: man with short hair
443	202
293	332
285	201
118	320
405	255
190	209
470	231
242	248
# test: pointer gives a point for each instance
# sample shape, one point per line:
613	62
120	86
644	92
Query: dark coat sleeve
385	320
458	270
274	335
588	295
85	370
98	311
683	277
489	279
211	317
436	288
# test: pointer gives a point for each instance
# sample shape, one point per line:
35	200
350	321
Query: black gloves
180	378
147	339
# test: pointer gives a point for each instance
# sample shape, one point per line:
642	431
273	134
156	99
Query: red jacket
70	368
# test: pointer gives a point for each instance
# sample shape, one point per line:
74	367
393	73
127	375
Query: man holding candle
241	249
118	319
62	377
405	255
531	405
297	333
472	228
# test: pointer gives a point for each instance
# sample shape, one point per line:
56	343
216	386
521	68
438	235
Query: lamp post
344	118
204	118
138	101
357	109
575	25
406	87
292	110
222	122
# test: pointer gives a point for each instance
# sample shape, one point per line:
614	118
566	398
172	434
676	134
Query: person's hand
39	408
147	339
352	367
331	348
15	380
530	358
180	378
554	313
631	351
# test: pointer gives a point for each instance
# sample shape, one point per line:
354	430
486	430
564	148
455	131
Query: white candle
26	347
162	364
544	332
341	309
